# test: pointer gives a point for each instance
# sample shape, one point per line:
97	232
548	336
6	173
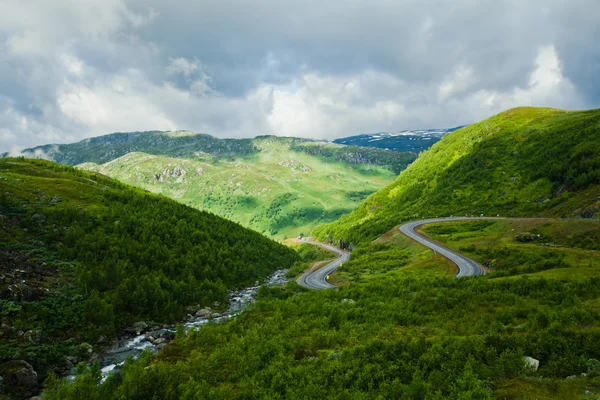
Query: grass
522	246
542	389
393	255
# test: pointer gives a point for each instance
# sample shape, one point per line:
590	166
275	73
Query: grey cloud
313	68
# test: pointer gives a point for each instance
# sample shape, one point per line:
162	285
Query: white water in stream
238	300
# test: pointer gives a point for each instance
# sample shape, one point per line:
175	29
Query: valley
394	323
280	187
299	200
278	192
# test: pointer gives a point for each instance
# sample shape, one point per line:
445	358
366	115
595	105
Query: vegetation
82	255
537	247
185	144
309	255
404	328
522	162
278	189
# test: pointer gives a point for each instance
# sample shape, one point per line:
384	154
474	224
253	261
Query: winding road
318	279
466	266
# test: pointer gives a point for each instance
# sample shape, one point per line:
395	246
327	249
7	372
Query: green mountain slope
284	187
522	162
82	255
185	144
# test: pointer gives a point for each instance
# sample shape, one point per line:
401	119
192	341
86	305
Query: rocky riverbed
142	336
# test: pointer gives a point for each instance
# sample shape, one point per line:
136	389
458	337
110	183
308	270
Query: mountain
185	144
277	186
83	255
522	162
404	141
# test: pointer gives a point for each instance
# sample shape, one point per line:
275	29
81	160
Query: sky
72	69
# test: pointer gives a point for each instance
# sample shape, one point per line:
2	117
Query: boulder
55	200
161	346
160	333
38	218
204	313
87	348
19	374
71	362
531	363
140	327
159	341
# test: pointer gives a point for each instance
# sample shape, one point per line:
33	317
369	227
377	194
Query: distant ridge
404	141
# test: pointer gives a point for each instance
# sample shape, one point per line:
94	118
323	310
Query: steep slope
280	190
522	162
82	255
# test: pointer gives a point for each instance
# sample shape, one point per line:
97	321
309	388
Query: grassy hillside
82	255
284	188
522	162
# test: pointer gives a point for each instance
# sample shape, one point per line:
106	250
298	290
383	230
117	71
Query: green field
568	249
277	191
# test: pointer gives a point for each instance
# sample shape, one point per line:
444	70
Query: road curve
318	279
466	266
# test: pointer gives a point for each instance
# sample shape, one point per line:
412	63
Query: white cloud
310	69
124	102
460	82
182	66
546	87
73	64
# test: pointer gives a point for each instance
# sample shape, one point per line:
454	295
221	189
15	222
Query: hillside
405	141
281	187
185	144
522	162
82	256
280	190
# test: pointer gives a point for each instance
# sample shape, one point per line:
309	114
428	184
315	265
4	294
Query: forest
407	338
82	256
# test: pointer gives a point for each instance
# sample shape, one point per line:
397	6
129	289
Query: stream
130	346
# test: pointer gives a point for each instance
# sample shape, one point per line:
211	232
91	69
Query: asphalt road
318	279
466	266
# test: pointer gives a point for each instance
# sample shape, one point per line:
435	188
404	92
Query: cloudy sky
71	69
